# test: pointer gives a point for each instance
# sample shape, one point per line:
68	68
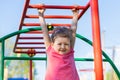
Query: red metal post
96	40
30	70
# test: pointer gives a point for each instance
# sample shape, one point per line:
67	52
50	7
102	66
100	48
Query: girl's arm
46	36
74	24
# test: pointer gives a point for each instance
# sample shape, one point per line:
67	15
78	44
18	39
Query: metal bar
87	59
88	70
30	38
25	52
30	47
19	32
30	70
30	43
96	40
55	6
22	20
34	32
25	58
84	10
2	59
44	58
51	16
112	64
38	24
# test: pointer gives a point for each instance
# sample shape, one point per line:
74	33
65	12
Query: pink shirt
60	67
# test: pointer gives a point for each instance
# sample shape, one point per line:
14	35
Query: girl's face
61	45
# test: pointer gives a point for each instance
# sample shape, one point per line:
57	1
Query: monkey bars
93	4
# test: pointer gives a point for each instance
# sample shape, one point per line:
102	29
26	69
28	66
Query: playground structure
39	50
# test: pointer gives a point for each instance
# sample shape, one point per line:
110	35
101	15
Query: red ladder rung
41	52
30	47
55	6
36	32
50	16
38	24
30	37
30	43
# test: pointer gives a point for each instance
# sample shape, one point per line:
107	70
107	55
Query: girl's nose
62	46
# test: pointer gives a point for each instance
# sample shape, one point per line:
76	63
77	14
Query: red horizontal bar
41	52
30	43
51	16
30	37
38	24
34	32
30	47
55	6
88	70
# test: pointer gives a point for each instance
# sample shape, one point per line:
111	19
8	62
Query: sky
109	13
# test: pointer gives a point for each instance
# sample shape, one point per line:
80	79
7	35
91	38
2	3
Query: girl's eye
62	44
66	44
59	43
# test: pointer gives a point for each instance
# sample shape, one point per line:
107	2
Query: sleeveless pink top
60	67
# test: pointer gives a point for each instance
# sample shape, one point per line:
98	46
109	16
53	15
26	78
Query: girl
59	46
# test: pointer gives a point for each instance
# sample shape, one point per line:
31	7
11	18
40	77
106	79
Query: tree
16	68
